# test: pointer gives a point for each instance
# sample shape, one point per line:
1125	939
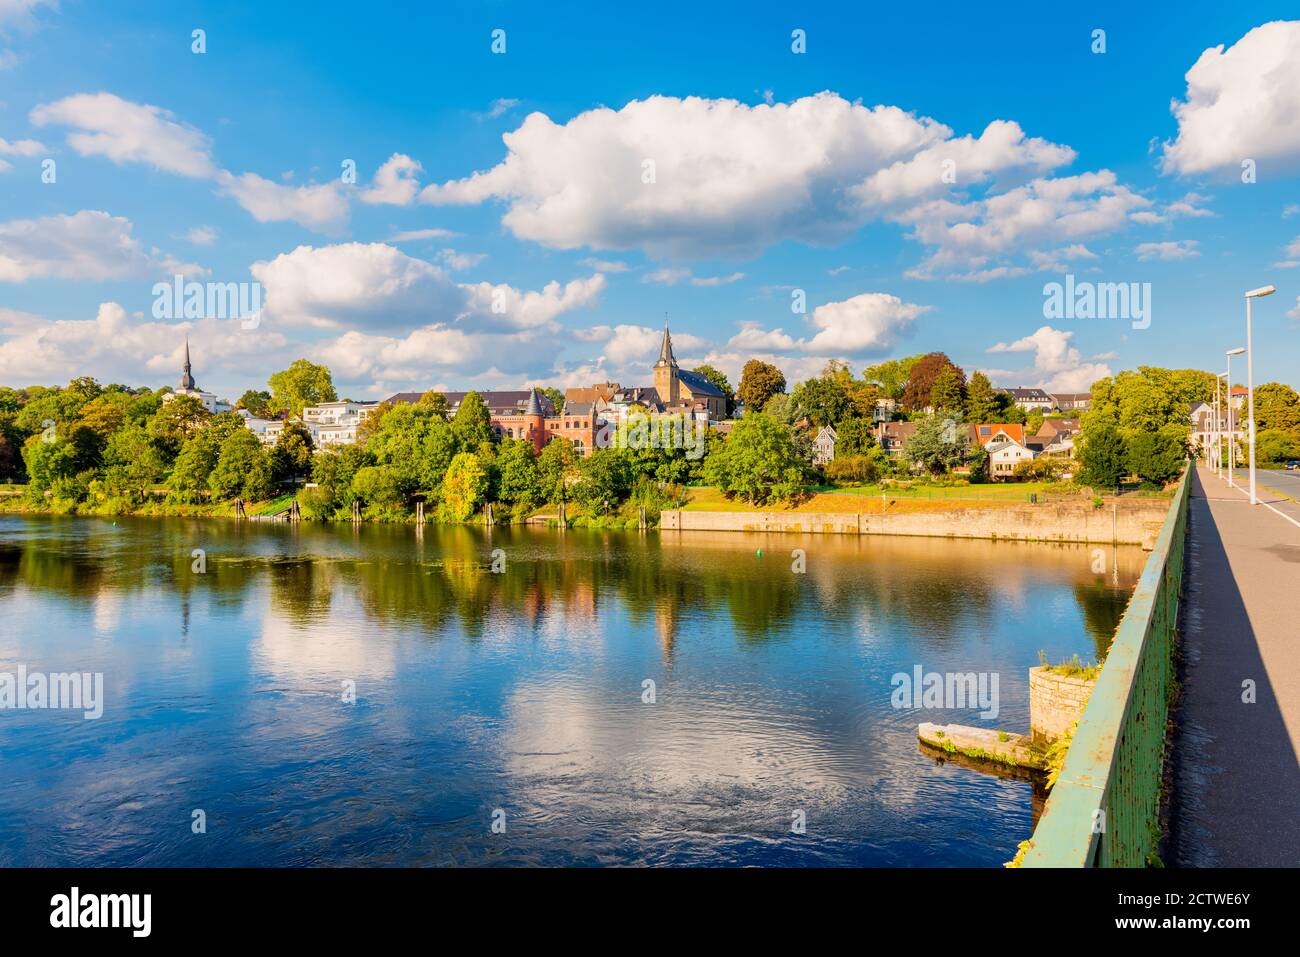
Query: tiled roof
698	384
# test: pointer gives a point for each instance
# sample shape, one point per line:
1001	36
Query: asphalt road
1236	780
1279	488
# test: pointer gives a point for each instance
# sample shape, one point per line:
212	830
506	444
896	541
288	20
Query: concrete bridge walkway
1236	781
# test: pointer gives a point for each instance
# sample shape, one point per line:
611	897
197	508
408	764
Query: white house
1005	453
1031	399
824	445
336	423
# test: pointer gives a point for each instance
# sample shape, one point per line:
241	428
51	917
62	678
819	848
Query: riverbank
1133	521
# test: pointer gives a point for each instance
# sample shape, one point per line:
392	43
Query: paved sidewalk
1236	781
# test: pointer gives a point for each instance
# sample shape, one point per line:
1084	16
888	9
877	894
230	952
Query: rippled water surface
520	691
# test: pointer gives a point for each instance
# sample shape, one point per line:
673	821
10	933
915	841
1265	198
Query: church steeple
665	370
666	349
187	380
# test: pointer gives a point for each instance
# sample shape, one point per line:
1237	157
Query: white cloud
717	280
1168	251
1189	206
125	348
321	207
87	245
499	107
20	13
202	236
605	265
378	286
1294	312
729	178
866	324
1058	260
412	235
458	261
1241	103
667	276
127	132
395	182
24	148
1058	366
970	239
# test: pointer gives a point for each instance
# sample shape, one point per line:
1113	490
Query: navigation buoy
760	553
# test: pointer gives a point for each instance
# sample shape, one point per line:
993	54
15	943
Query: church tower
187	380
666	382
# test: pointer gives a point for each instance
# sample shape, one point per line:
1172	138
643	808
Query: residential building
1072	401
1005	453
529	414
998	431
336	423
189	387
1031	399
824	445
893	436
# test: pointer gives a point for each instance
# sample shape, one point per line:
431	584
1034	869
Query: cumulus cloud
87	245
122	347
126	132
377	286
395	182
24	148
730	179
1242	102
866	324
202	236
1058	365
321	207
970	238
1168	251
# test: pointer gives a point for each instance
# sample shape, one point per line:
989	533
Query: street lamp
1218	426
1232	451
1259	293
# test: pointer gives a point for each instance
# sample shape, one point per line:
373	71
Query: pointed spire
666	348
187	380
534	406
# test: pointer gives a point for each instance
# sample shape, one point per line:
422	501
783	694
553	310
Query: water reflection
521	691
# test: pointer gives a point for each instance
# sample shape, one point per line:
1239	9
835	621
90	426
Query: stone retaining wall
1130	524
1055	702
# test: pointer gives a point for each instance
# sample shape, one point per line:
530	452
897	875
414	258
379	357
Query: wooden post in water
294	514
419	512
356	512
239	509
564	521
641	522
487	515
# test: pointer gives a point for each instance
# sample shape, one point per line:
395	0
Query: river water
507	718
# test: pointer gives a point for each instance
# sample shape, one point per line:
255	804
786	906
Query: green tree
891	376
436	402
256	401
759	381
556	468
333	471
133	463
948	391
1275	447
176	421
378	486
606	479
473	422
1155	457
854	437
1277	406
303	383
243	469
1101	456
823	399
416	443
922	378
981	402
464	488
758	462
556	397
939	443
518	479
291	456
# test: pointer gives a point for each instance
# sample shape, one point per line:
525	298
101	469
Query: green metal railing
1104	809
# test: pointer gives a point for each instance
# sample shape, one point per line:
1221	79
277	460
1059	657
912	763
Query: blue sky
774	171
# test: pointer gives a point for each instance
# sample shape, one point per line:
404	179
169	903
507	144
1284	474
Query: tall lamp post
1259	293
1218	428
1232	435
